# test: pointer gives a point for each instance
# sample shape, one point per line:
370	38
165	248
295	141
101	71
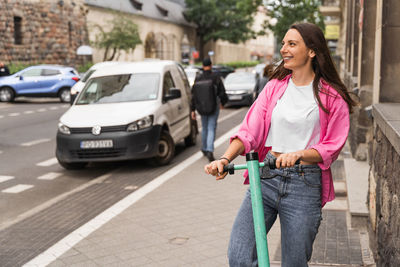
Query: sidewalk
186	221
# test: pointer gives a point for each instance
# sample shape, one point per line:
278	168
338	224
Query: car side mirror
173	93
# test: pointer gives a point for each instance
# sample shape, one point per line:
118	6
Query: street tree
286	12
123	36
229	20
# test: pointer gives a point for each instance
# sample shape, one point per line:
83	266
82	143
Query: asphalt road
34	185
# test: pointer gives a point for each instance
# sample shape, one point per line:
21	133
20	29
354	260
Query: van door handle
179	107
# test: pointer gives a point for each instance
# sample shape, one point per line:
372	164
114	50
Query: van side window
184	78
168	83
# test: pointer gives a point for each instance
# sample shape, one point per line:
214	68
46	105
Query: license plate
235	97
96	144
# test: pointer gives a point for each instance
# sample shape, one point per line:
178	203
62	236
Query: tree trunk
201	48
113	54
105	53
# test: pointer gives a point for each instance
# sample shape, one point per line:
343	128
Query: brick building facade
42	31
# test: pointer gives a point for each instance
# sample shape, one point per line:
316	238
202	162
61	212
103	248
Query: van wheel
190	140
165	149
65	95
6	94
73	166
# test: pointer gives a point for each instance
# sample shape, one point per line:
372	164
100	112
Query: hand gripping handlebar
271	163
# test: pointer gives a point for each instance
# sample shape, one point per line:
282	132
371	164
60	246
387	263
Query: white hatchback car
128	111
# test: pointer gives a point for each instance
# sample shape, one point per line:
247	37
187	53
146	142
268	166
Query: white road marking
35	142
28	112
1	116
49	176
17	188
66	106
1	152
85	230
47	163
4	178
14	114
97	180
53	108
42	110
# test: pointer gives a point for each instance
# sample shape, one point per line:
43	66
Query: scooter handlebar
229	168
271	163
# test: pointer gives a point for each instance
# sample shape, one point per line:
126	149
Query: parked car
77	88
258	70
240	88
39	81
191	74
128	111
222	70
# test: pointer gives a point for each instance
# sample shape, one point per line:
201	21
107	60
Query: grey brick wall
386	173
51	31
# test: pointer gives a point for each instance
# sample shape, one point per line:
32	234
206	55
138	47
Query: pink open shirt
253	131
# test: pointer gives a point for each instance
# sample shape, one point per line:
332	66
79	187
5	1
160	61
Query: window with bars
17	30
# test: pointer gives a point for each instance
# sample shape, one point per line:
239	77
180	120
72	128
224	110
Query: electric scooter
253	166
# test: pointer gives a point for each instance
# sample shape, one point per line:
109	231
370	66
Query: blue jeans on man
209	127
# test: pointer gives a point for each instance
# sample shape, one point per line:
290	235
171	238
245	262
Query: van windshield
120	88
87	75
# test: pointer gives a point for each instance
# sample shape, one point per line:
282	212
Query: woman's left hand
287	159
216	168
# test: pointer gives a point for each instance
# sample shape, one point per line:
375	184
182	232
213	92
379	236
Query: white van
128	111
77	88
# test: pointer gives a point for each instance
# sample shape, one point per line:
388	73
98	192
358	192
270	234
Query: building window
136	4
163	11
17	30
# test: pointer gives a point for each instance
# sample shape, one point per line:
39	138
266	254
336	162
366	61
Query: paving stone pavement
187	222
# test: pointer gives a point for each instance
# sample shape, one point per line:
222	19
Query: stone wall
385	187
51	31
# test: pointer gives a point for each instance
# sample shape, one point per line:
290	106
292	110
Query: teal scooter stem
257	204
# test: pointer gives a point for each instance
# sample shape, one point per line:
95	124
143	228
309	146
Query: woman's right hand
216	168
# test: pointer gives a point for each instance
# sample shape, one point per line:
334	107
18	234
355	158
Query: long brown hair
322	64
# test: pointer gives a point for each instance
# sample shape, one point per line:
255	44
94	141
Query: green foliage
83	68
241	64
287	12
229	20
233	64
124	35
15	67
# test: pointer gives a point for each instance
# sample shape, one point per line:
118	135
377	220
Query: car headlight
143	123
63	129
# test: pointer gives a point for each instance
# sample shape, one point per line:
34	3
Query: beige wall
171	34
227	52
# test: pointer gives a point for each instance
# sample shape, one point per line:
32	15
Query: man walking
208	94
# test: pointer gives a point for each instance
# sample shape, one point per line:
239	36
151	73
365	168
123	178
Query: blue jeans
295	195
209	126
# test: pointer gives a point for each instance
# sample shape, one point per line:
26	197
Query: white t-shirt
295	120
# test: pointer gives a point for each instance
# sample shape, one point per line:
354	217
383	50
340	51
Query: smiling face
294	51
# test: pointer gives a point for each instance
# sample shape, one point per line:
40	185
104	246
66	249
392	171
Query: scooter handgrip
229	168
272	163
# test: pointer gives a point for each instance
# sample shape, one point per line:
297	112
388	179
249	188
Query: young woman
302	114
